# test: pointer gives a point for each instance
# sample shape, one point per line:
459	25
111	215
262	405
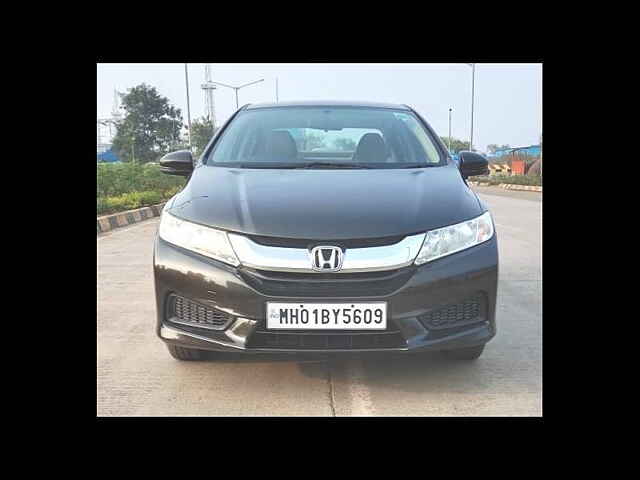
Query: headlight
203	240
452	239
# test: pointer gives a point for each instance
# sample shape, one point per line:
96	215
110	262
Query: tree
201	132
150	128
456	145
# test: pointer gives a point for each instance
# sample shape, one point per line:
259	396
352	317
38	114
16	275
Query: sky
508	97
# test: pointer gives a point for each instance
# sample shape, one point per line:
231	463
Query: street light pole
541	154
473	79
450	129
238	88
186	80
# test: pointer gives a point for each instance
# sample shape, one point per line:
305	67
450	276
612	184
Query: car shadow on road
433	372
315	365
228	357
311	365
404	372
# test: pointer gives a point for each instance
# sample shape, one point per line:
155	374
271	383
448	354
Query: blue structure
531	150
108	156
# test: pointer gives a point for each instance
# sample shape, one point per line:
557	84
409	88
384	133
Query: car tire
468	353
182	353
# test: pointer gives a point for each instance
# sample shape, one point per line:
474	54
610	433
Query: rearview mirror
177	163
472	164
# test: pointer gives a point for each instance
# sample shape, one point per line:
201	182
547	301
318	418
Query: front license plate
327	316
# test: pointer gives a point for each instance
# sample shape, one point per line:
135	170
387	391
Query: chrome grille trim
370	259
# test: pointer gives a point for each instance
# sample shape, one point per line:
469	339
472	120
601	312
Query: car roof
327	103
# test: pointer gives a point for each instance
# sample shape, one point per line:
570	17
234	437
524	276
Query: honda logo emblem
326	259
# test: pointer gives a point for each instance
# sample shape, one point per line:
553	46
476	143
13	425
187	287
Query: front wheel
182	353
467	353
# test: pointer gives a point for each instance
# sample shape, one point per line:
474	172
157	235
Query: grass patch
114	179
510	179
127	186
133	200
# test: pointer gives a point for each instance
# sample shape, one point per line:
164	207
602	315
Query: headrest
282	146
371	148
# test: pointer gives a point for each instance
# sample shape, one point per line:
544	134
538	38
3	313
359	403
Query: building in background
107	156
531	151
520	159
106	131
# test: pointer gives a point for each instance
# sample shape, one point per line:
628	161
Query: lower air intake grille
326	341
465	312
187	312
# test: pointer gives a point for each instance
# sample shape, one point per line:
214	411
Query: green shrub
133	200
126	186
516	180
115	179
509	179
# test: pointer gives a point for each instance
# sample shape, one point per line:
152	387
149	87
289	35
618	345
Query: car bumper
432	287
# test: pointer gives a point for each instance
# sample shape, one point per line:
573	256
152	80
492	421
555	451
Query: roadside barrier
530	188
499	168
122	219
509	186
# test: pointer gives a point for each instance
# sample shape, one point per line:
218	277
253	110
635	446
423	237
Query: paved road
136	375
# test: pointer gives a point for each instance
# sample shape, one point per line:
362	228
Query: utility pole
174	135
116	114
238	88
450	129
186	79
208	86
541	154
473	79
105	122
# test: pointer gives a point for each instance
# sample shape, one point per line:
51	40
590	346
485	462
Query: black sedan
325	227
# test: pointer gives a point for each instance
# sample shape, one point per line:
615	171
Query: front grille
462	313
287	284
310	243
187	312
262	338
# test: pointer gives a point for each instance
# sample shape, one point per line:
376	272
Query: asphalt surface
138	377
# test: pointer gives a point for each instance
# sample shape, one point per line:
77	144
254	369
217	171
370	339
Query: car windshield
325	137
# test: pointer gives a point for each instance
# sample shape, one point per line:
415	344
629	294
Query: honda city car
326	227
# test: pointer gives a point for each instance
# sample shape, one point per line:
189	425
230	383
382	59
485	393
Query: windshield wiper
261	165
330	164
420	165
310	165
291	165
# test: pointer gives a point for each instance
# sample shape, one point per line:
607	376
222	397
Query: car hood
326	204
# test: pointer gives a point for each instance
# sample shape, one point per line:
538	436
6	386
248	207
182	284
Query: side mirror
177	163
472	164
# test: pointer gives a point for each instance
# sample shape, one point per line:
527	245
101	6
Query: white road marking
359	393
